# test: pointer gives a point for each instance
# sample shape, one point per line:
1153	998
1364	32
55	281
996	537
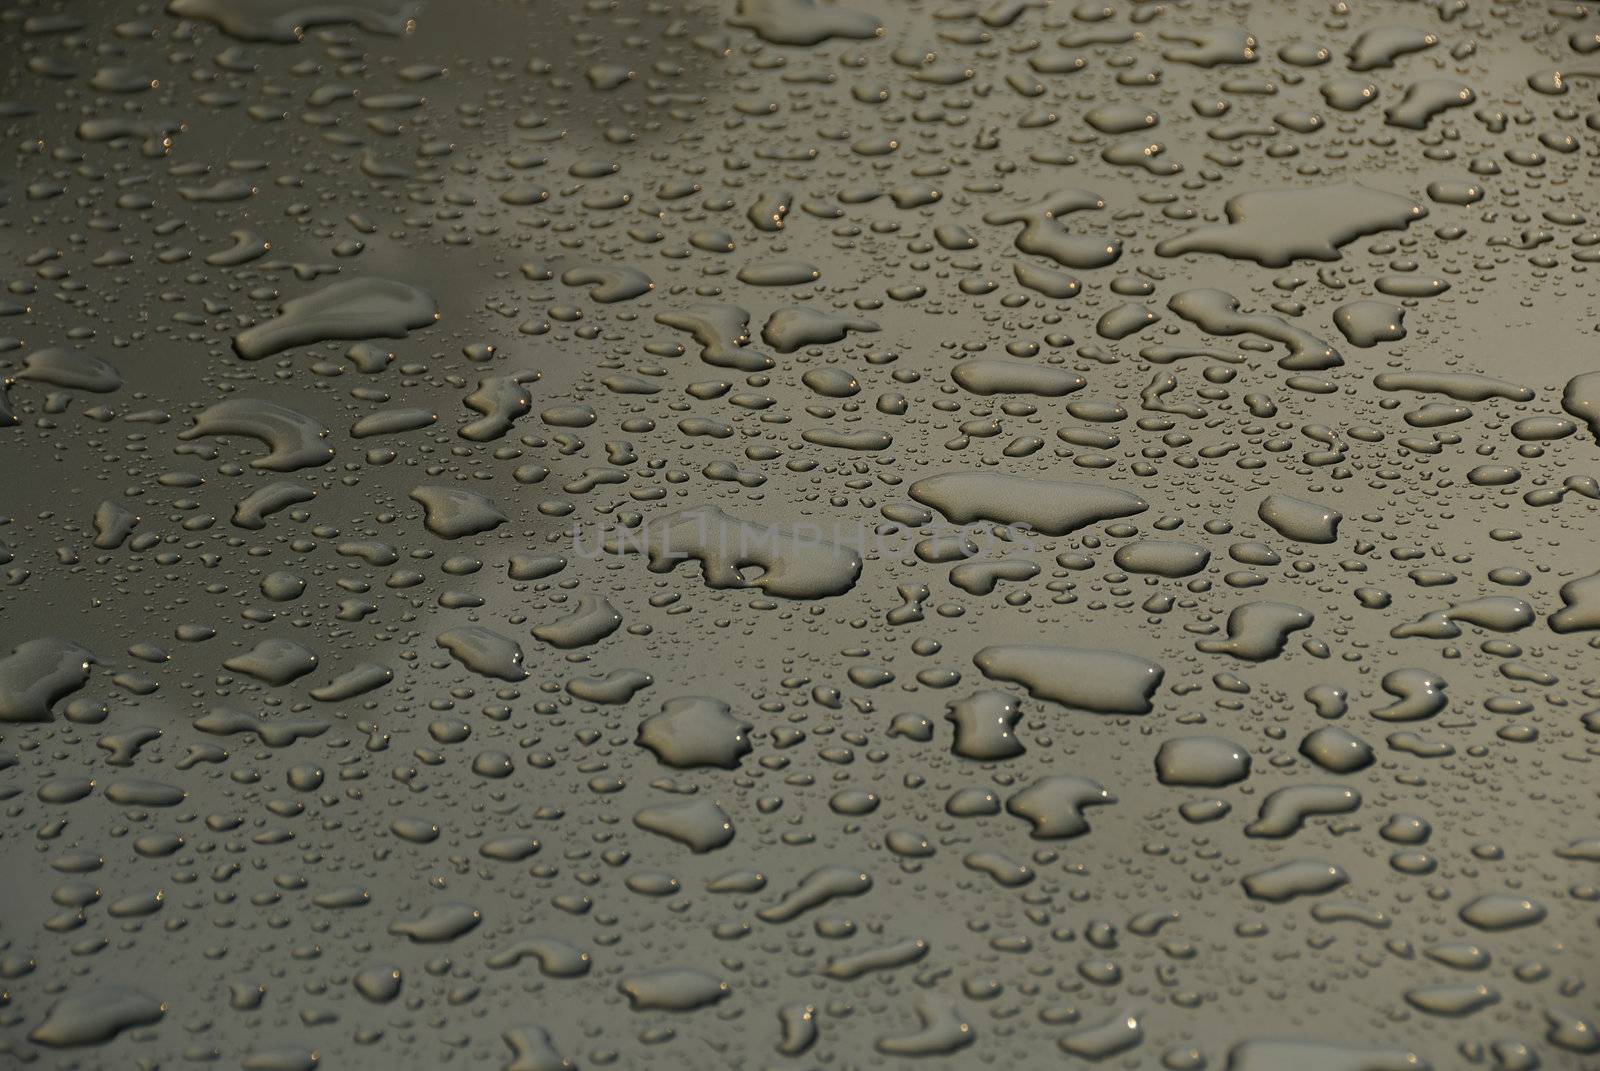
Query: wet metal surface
792	534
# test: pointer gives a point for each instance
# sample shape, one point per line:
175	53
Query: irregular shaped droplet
795	562
253	509
1211	47
294	440
982	577
439	923
866	439
1258	631
533	1049
349	309
501	400
556	958
248	245
38	673
1425	99
1580	610
286	24
723	332
591	621
484	651
1382	45
277	732
819	887
1276	227
1047	281
1370	323
618	686
1053	507
869	961
1054	805
803	22
113	524
700	825
1043	233
609	283
358	680
1497	613
799	1025
1581	398
1418	694
1571	1032
1462	386
1105	682
798	326
1329	701
1217	312
696	730
1005	870
274	661
985	724
70	369
453	513
943	1031
1285	810
94	1015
